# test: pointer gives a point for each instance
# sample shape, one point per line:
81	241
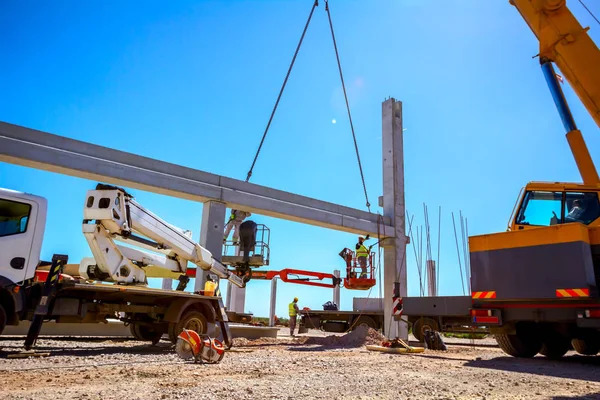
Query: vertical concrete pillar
336	290
394	259
238	299
167	284
228	298
431	279
273	301
211	235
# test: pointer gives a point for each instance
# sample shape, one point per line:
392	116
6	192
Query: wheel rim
195	324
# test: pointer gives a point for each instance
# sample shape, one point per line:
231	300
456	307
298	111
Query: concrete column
431	279
238	299
394	258
211	235
336	290
228	298
273	301
167	284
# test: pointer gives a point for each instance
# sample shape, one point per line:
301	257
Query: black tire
2	319
423	324
525	343
145	333
555	346
587	346
337	327
193	320
366	321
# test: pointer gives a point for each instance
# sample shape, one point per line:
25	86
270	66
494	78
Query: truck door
17	229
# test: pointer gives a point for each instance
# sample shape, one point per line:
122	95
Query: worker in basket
235	220
362	254
293	313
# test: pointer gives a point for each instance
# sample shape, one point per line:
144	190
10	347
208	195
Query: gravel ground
288	368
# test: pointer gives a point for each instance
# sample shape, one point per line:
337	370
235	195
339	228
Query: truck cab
22	225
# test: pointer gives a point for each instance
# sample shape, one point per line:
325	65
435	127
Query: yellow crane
536	285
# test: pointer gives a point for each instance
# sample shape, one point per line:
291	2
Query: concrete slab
118	329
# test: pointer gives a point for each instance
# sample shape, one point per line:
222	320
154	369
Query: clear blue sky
194	82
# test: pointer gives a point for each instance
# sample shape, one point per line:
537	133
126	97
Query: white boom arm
112	214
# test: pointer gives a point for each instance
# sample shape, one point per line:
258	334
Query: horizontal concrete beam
45	151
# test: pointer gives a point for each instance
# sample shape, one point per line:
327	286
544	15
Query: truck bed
441	306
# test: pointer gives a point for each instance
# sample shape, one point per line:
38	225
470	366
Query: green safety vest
292	309
362	251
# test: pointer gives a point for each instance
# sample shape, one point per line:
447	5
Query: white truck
112	284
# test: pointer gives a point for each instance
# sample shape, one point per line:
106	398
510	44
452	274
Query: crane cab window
581	207
540	209
13	217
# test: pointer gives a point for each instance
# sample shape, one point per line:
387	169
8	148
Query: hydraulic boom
111	213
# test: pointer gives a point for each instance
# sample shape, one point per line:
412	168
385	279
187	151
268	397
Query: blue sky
194	83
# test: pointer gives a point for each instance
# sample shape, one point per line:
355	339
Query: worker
235	220
293	312
210	287
362	253
575	212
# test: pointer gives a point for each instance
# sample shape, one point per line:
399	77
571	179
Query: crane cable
315	4
589	11
347	104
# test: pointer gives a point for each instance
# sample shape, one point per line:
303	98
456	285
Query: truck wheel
587	346
2	319
192	320
145	333
424	324
555	346
526	343
365	321
337	327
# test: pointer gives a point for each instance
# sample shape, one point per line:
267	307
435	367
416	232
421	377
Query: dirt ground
289	368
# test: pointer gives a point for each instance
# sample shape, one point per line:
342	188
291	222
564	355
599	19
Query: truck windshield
544	208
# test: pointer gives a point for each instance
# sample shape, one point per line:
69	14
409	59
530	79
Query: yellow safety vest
209	288
362	251
292	309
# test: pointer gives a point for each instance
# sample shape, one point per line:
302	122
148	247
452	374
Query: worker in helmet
293	313
235	220
362	253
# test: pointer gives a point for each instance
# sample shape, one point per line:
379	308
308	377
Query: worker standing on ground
293	312
235	220
362	253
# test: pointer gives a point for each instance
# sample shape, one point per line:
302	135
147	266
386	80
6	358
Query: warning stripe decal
484	295
572	292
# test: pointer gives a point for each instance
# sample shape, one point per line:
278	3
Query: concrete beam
32	148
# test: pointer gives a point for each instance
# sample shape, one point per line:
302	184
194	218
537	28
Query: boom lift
352	280
110	213
536	285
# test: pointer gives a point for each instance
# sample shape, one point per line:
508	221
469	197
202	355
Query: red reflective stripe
487	320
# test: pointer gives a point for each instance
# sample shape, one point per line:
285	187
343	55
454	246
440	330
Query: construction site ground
316	365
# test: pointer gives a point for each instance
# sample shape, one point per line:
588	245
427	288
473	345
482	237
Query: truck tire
145	333
337	327
364	321
587	346
555	346
423	324
525	343
193	320
2	319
